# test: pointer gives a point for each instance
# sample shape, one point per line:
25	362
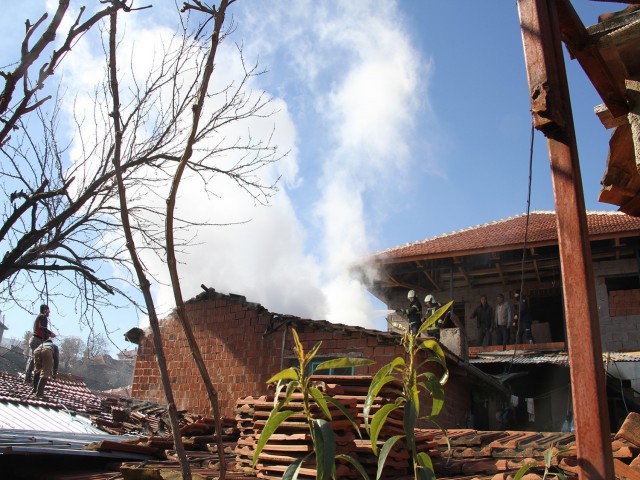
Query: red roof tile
509	233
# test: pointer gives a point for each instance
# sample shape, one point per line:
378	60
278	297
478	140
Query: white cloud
352	69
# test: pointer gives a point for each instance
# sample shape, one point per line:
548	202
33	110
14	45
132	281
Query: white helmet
411	294
429	299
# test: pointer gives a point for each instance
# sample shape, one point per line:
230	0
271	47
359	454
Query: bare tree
96	345
50	232
73	219
71	348
60	227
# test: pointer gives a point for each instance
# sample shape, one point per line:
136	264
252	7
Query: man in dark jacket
484	318
40	333
414	312
522	318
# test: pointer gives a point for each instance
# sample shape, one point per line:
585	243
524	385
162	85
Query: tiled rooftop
511	231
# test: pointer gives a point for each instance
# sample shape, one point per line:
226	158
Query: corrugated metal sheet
25	442
15	416
549	358
559	358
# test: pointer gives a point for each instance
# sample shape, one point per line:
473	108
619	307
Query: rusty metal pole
552	115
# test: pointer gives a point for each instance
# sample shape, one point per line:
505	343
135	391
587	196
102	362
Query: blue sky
403	120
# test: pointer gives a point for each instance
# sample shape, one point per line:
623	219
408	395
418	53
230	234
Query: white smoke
346	83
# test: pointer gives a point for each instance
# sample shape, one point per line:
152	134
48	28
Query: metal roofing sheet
558	358
15	416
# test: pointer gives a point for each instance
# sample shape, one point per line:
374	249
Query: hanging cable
524	243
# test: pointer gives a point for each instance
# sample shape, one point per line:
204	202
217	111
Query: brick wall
618	310
241	358
624	302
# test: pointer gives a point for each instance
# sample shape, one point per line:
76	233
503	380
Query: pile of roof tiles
292	440
498	455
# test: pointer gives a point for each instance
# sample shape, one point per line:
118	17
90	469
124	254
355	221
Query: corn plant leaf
548	456
297	347
378	422
387	369
426	471
344	362
435	317
273	422
291	388
415	394
346	413
434	347
358	466
325	447
374	388
409	424
312	353
523	470
433	386
291	473
320	400
384	452
286	374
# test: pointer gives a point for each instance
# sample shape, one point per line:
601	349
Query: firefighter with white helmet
414	312
431	305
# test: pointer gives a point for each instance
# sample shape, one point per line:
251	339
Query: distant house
244	345
521	251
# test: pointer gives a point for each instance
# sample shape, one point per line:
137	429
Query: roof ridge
491	223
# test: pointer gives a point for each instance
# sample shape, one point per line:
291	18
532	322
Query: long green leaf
387	369
426	466
409	424
415	394
291	388
433	386
346	413
384	452
374	388
291	473
435	347
286	374
297	346
344	362
355	463
273	422
523	470
435	317
320	400
325	447
309	356
378	421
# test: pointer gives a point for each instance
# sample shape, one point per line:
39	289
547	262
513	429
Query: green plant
414	381
548	458
297	379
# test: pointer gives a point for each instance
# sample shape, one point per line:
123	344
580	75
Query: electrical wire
526	238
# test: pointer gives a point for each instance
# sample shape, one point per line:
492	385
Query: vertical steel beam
551	109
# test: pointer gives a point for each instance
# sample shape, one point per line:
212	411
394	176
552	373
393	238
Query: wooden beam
466	277
577	39
541	22
535	267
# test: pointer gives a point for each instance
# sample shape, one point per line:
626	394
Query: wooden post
551	110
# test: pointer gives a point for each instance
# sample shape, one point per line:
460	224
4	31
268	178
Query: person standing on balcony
502	320
484	318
